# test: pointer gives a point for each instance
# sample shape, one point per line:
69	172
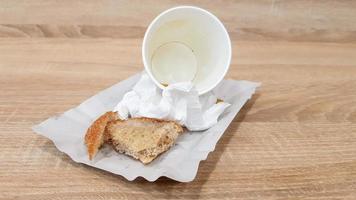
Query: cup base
174	62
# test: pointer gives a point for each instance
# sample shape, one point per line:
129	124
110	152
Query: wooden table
295	139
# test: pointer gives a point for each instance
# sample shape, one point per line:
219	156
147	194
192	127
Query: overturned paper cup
186	44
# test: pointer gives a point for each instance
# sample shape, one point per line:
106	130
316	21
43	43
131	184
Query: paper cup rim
221	25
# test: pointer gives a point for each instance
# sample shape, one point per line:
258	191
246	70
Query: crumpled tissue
178	102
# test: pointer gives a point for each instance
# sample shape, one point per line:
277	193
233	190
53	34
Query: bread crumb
219	100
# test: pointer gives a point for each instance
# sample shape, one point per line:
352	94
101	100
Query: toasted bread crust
159	135
95	136
143	138
111	123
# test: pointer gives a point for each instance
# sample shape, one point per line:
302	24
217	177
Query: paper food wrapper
180	162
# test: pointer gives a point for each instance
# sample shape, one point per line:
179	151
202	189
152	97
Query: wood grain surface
295	139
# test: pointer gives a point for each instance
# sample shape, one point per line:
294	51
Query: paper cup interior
187	44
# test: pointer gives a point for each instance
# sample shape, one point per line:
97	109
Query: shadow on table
165	187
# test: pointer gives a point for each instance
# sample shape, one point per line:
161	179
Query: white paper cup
187	44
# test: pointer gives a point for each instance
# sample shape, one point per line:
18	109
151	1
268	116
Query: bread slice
95	136
143	138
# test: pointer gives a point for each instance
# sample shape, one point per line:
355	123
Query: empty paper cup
186	44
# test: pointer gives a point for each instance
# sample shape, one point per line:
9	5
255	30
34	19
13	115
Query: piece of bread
95	136
143	138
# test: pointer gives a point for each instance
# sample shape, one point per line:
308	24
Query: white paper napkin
179	163
179	102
